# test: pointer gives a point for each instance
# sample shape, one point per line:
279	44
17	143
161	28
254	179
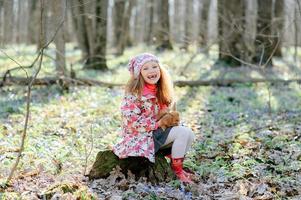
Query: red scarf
151	89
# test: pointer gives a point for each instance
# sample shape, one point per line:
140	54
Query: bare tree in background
127	41
163	32
98	53
149	20
79	24
1	23
296	30
137	28
8	7
188	23
204	6
265	42
58	9
178	25
277	25
118	13
33	20
23	21
250	30
122	14
231	23
42	27
234	44
90	24
70	35
17	20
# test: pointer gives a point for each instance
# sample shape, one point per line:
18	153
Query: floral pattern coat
138	123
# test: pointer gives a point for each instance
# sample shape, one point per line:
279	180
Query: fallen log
105	161
230	82
12	80
90	82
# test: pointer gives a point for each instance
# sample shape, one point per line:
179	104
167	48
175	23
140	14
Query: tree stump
160	171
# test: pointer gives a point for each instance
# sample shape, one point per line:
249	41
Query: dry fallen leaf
114	175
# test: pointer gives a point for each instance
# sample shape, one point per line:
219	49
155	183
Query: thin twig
28	100
87	155
273	52
27	106
20	66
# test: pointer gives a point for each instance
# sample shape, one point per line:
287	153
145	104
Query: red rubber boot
177	167
185	172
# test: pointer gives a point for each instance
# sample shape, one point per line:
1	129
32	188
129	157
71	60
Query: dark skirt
160	136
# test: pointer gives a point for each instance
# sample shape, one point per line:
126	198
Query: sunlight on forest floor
248	136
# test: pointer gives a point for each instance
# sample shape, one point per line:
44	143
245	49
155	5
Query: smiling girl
148	92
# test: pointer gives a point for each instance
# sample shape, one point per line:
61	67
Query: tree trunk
8	21
231	31
277	25
1	23
68	28
105	161
149	22
264	42
203	23
97	58
296	30
119	11
16	22
163	34
89	22
188	23
138	23
250	30
42	24
126	41
178	25
78	18
122	11
23	21
58	9
33	19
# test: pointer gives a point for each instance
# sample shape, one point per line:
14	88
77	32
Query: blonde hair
165	91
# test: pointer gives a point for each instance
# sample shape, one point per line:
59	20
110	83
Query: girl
149	91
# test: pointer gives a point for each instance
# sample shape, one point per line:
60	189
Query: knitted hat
138	61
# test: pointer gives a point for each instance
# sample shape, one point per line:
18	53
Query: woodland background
236	69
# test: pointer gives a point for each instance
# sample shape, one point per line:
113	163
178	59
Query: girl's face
150	72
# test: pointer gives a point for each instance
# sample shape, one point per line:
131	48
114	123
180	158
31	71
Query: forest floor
248	136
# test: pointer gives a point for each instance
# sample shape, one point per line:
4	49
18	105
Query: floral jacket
138	123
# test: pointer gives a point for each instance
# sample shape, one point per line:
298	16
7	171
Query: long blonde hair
165	91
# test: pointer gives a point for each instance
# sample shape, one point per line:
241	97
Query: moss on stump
160	171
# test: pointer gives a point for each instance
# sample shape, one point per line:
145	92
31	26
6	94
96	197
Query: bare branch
28	100
88	154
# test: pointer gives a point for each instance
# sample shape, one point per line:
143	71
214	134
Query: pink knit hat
138	61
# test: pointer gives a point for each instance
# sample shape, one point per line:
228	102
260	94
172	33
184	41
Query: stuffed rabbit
169	117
